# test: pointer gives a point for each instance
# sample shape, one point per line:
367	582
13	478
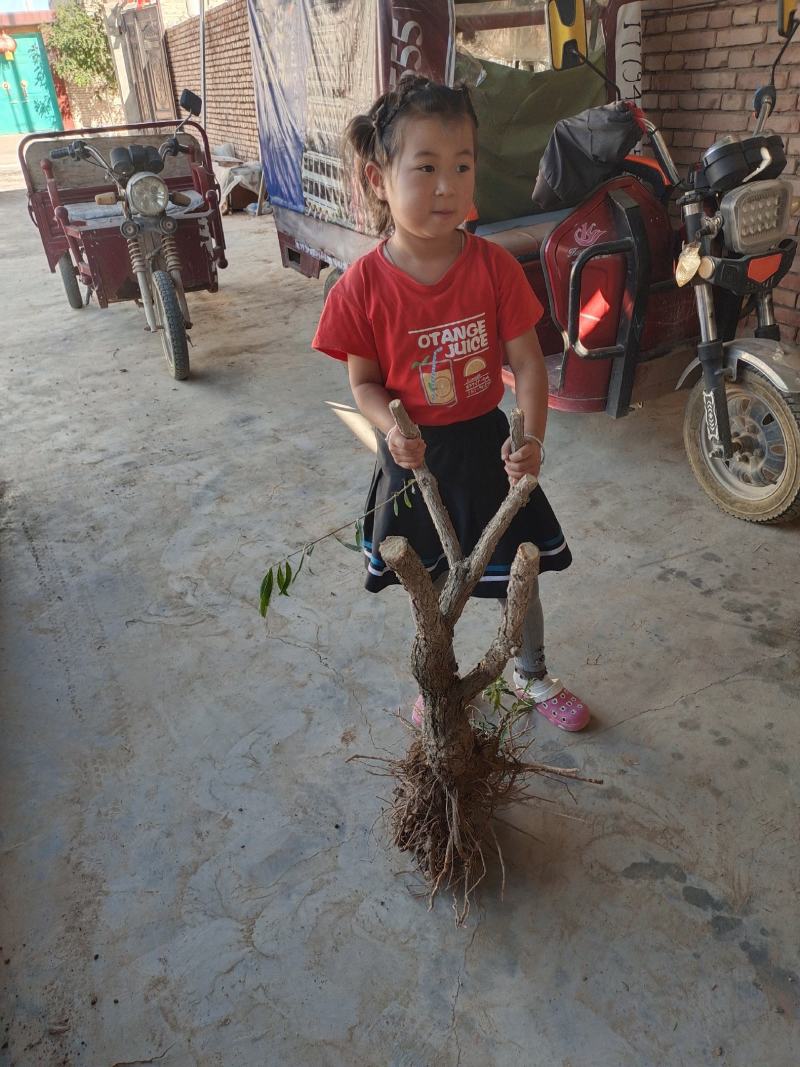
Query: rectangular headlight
756	217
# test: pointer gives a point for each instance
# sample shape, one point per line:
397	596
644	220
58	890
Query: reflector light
761	269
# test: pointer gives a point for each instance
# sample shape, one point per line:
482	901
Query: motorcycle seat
523	237
86	211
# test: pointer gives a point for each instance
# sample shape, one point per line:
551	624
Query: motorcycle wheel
761	483
334	274
173	329
73	290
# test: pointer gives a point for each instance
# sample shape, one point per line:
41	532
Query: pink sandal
551	699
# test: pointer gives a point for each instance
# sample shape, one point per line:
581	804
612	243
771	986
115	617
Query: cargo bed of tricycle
62	205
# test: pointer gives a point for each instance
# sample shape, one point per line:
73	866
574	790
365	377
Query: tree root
447	827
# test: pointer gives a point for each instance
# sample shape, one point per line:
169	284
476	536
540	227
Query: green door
27	96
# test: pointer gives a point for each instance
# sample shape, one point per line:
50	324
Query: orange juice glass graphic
438	381
438	385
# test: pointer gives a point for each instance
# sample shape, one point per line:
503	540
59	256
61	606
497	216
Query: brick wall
92	108
230	106
702	63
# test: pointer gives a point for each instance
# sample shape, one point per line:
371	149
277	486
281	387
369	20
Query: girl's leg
530	662
533	684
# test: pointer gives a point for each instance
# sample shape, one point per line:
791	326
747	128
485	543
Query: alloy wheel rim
755	473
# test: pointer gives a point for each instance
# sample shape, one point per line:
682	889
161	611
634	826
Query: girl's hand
407	452
526	460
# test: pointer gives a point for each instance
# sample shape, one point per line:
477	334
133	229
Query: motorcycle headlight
756	217
147	194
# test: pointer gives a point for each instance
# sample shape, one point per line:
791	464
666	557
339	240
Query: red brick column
701	64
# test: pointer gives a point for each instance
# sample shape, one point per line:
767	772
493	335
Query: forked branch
430	490
523	570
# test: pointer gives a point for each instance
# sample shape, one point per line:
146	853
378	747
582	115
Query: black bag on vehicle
584	151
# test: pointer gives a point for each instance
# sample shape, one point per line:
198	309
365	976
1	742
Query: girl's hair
376	136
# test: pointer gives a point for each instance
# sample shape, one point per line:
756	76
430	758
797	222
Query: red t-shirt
439	347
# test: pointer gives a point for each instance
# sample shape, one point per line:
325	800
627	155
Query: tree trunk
447	735
455	775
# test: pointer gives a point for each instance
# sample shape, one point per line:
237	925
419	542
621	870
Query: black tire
173	328
762	483
333	276
71	287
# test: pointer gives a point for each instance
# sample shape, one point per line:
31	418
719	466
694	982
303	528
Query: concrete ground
10	176
192	871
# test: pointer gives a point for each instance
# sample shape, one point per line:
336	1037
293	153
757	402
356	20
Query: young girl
427	316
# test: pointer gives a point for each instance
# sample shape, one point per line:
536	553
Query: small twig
347	525
560	772
519	829
502	863
286	576
564	815
135	1063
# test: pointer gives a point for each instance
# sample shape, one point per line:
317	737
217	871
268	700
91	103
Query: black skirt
465	460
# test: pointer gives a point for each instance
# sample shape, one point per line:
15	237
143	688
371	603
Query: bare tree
455	776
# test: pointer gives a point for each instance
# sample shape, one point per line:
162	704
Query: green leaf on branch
282	575
346	544
266	592
302	561
284	578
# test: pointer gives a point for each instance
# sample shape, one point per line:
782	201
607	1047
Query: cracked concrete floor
190	869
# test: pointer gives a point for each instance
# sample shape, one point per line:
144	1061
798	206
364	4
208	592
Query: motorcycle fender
777	361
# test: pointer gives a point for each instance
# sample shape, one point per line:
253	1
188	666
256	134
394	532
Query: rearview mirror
566	32
191	102
786	12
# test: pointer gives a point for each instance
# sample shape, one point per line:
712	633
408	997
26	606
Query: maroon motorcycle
635	307
130	215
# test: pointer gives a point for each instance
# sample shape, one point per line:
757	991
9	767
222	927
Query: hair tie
384	116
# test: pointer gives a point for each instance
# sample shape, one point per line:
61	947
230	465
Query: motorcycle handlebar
172	147
60	153
662	153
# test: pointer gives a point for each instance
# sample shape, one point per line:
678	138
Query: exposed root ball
446	828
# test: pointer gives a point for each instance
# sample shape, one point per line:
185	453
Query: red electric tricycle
130	213
636	304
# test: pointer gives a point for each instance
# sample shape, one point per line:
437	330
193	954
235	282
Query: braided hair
376	136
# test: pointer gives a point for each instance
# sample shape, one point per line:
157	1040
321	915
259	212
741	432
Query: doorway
28	101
